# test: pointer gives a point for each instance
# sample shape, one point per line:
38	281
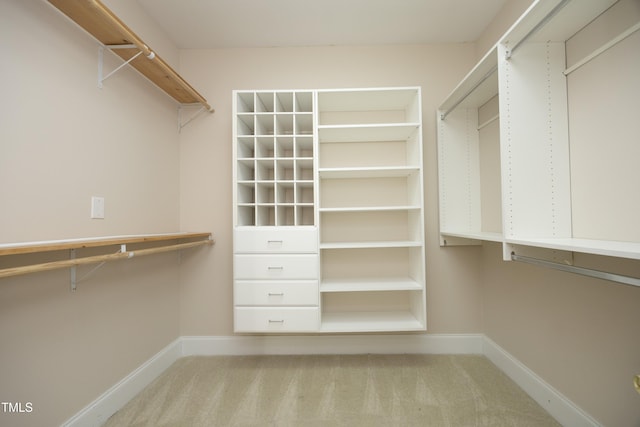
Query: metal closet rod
539	25
613	277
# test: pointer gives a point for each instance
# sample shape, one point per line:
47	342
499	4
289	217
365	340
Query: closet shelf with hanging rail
146	244
95	18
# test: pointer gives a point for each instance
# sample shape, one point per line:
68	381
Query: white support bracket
182	124
73	268
72	255
101	76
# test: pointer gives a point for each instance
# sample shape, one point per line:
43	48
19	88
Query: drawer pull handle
276	294
274	241
275	268
276	321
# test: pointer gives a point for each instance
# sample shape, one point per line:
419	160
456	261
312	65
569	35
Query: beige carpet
345	390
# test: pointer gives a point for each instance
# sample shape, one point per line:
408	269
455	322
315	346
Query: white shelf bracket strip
102	78
613	277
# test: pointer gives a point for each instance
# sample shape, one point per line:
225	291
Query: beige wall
63	140
453	293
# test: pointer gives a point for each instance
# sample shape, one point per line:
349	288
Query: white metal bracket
73	269
101	76
72	255
182	124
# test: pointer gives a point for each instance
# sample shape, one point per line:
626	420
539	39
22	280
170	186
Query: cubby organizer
529	152
274	158
328	211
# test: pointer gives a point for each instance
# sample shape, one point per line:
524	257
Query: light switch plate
97	207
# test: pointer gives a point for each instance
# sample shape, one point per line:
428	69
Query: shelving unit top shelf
95	18
366	99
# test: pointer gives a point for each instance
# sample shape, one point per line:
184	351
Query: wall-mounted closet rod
54	265
614	41
469	92
535	29
613	277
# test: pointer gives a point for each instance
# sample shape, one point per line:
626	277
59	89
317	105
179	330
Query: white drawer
284	319
276	293
276	239
275	266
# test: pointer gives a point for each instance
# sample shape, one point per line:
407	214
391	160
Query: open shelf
590	246
365	245
370	284
95	18
375	321
366	132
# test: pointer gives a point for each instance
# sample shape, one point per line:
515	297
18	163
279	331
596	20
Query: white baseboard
98	411
333	344
556	404
561	408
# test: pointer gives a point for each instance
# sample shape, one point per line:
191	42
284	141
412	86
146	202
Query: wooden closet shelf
181	241
95	18
59	245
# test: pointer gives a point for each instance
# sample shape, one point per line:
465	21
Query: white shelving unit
328	211
554	169
371	210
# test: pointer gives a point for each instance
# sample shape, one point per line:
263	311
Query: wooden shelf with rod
95	18
153	244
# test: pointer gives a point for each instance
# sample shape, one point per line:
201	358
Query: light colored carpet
333	390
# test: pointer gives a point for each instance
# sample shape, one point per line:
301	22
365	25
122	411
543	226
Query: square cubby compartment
285	170
246	170
266	216
284	147
264	147
303	124
286	215
304	146
285	193
244	102
246	193
304	170
264	102
284	124
245	148
265	193
264	170
284	102
304	102
245	124
304	192
264	124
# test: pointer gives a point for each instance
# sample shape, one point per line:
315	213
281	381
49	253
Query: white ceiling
262	23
